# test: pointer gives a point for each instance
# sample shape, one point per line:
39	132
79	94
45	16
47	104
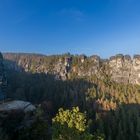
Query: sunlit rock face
95	60
135	71
124	69
120	68
90	66
62	68
116	65
127	63
127	68
34	63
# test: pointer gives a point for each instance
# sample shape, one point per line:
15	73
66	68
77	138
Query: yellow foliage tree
71	125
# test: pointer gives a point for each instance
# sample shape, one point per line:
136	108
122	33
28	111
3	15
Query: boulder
17	105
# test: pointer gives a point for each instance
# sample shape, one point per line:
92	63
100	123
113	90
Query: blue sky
102	27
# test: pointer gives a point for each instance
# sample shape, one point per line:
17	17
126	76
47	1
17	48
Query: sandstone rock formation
121	68
124	69
62	68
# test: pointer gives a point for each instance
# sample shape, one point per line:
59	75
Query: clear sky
103	27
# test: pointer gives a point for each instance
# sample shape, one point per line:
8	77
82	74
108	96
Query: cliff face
3	81
121	68
124	69
57	65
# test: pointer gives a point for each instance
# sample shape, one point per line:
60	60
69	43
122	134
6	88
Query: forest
78	108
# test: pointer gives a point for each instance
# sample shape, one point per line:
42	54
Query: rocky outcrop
90	66
17	105
124	69
135	70
121	68
56	65
62	69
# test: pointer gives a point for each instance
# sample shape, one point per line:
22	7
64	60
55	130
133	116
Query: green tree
72	125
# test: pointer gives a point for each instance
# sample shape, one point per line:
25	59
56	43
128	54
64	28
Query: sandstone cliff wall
121	68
